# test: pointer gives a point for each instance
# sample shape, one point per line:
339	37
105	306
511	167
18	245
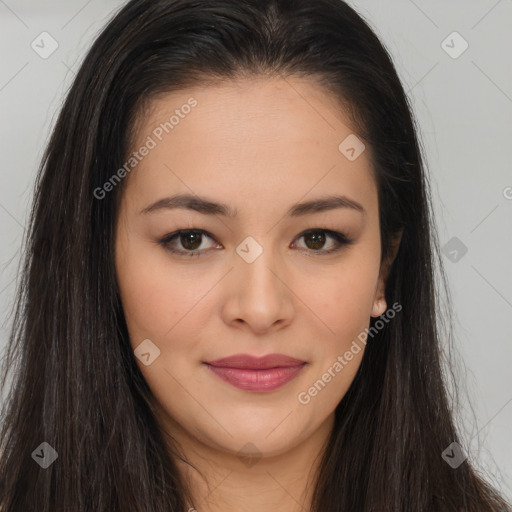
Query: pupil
318	239
193	237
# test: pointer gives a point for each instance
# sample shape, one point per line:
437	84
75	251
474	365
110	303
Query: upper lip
249	362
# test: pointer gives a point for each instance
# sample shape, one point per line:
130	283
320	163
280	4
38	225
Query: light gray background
464	109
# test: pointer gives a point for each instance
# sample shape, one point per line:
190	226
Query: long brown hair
75	383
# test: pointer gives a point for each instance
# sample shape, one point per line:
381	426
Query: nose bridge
258	263
259	295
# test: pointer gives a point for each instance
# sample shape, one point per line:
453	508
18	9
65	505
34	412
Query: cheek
344	301
345	307
156	296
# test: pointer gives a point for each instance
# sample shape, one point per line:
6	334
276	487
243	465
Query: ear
379	304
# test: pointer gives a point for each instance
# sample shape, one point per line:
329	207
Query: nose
259	297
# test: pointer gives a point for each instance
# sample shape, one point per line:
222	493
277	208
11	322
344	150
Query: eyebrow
207	207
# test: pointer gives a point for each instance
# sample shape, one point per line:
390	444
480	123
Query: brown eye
317	239
190	240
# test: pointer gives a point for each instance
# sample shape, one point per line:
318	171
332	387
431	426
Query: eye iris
193	237
317	237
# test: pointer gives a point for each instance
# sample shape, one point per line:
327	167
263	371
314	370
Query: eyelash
341	239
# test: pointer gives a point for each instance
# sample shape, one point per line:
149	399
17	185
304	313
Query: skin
259	146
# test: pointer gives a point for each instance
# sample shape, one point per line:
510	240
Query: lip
248	362
257	373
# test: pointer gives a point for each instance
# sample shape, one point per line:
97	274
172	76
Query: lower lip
257	380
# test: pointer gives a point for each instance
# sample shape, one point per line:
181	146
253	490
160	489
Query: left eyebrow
207	207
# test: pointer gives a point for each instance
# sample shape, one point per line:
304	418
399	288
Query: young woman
229	299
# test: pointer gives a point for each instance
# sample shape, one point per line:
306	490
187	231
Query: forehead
259	106
263	135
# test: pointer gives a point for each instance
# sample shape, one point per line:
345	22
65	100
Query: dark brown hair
76	384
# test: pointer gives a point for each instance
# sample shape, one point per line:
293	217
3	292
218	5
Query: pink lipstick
257	373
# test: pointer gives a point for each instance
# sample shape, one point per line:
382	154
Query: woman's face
249	281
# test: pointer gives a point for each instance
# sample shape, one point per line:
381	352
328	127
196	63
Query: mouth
257	374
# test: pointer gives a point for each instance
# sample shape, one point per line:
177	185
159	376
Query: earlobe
380	305
379	302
